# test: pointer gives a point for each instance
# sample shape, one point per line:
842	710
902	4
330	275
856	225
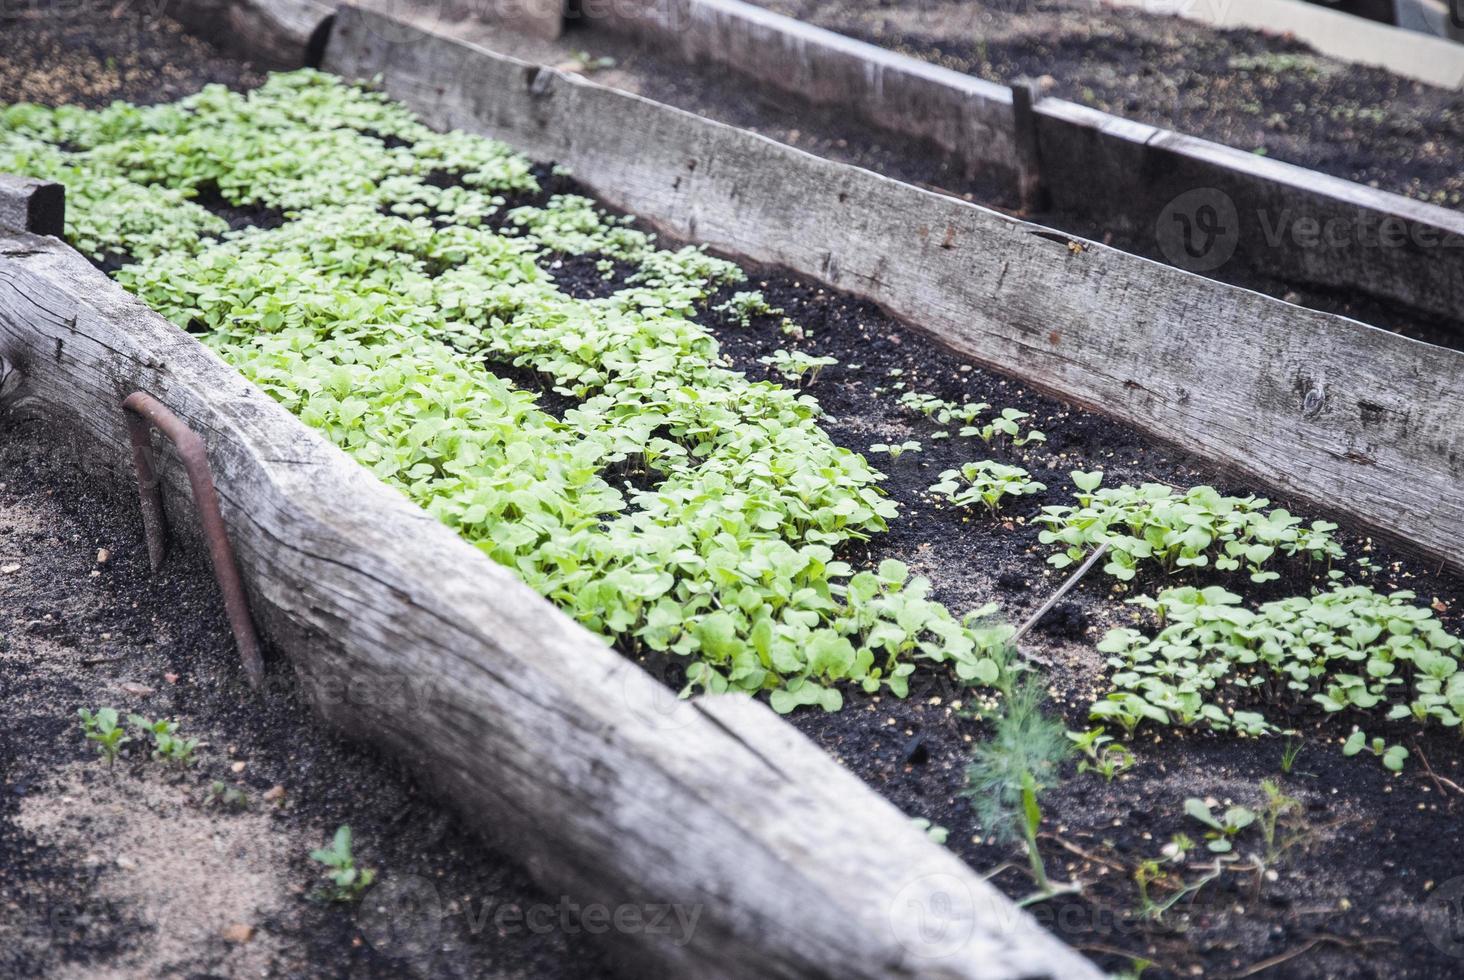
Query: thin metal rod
144	413
1063	590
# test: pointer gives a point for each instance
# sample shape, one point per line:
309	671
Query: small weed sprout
348	882
1278	810
1010	770
102	728
1290	753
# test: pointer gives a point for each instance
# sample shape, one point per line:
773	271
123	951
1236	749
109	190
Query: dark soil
94	52
1246	89
76	631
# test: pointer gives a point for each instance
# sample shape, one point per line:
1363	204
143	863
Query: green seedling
347	882
1101	754
1010	770
1224	828
896	450
167	746
102	728
1393	756
1289	754
222	794
797	366
1277	811
935	832
985	482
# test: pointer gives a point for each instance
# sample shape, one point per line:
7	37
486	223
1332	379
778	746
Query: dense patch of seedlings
376	311
1194	529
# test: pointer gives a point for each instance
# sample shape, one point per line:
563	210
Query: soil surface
93	53
146	868
1247	89
1325	908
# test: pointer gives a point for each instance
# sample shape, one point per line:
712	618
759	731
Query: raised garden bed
619	421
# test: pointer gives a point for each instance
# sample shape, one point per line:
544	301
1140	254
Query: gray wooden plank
1360	421
27	204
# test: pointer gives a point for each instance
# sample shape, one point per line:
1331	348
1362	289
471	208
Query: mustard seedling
985	482
1224	828
896	450
167	746
347	881
101	728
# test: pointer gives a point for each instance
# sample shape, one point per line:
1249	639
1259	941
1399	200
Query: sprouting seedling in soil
985	482
1278	809
1101	754
102	728
1393	756
1151	872
1006	424
1224	828
934	831
167	746
221	793
1289	754
896	450
1009	771
794	365
348	882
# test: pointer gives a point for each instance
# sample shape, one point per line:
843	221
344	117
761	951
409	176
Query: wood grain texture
27	204
1359	421
551	744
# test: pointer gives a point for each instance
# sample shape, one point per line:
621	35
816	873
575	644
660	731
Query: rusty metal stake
144	413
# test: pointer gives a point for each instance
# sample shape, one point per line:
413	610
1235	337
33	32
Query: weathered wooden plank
1283	221
27	204
1360	421
550	743
1098	167
968	117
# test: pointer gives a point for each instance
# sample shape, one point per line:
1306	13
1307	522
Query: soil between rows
1335	910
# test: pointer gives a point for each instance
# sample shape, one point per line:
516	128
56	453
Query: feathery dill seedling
1009	771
